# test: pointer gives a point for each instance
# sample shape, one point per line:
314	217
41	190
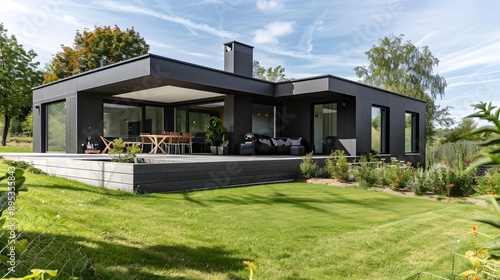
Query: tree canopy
18	74
407	69
95	48
276	74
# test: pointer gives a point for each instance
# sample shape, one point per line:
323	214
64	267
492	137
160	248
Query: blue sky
308	38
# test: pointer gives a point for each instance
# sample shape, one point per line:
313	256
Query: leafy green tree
18	74
276	74
407	69
461	132
27	124
93	49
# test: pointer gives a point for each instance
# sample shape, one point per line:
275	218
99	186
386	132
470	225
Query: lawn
17	145
289	230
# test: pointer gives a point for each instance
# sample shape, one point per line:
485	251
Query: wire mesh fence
42	243
468	260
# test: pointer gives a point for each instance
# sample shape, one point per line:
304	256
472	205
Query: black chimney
238	58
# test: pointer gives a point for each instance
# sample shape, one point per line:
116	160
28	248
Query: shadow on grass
304	202
192	200
117	261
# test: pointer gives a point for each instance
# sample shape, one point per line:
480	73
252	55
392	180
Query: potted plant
215	133
223	148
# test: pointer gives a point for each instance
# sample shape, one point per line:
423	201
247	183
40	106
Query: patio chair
186	141
106	143
146	141
173	141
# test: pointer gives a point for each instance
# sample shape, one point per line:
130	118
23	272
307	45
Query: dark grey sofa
266	145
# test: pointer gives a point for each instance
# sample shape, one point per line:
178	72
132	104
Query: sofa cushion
265	141
278	142
295	141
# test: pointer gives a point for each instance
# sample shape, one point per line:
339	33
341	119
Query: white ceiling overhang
169	94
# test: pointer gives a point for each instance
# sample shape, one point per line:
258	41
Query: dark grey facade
154	81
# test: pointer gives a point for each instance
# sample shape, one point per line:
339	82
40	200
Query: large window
380	130
153	123
56	127
263	120
122	120
198	121
325	127
195	118
411	135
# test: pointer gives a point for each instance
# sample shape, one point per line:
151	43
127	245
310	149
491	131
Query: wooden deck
168	173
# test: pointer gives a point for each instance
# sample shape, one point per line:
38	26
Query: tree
462	132
18	74
276	74
407	69
94	49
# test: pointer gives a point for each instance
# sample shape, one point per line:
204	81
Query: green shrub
396	174
321	173
458	179
17	163
308	167
489	183
367	175
422	181
338	167
22	165
123	153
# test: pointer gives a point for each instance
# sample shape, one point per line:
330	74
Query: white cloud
190	25
272	31
266	5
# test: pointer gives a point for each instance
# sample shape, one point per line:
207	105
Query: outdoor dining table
158	140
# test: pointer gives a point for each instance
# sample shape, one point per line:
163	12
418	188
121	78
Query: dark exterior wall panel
38	127
295	120
71	125
320	84
90	119
208	79
237	119
363	125
346	117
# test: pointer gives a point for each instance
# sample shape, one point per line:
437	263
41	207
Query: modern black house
151	94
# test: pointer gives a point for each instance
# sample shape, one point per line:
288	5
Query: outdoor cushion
265	141
296	142
278	142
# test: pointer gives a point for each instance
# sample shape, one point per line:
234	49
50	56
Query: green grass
290	231
17	145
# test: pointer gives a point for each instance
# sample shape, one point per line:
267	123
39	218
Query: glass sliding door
56	127
195	118
263	120
153	122
122	121
325	127
180	119
198	121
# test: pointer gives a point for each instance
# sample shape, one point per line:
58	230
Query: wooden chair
146	141
186	141
106	143
174	142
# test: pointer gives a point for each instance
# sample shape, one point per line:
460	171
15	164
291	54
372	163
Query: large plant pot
222	150
213	149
